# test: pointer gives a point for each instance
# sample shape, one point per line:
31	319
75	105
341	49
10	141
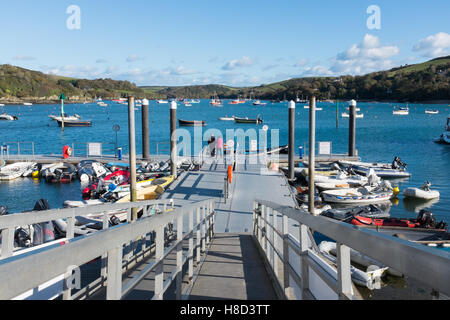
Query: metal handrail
8	223
404	256
18	274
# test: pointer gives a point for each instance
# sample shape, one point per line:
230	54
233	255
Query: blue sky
236	43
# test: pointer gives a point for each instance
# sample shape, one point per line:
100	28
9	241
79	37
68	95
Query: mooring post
337	113
145	131
311	153
132	156
352	129
291	148
173	138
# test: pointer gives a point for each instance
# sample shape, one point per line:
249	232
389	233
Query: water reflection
415	205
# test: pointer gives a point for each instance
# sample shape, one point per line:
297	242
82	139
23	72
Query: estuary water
380	136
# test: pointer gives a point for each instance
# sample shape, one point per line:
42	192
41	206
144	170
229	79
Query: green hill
20	83
419	82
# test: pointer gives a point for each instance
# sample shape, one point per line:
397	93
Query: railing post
212	218
274	242
104	256
159	269
179	256
206	214
7	242
67	291
198	236
304	246
285	232
191	245
114	282
264	228
344	273
259	224
203	224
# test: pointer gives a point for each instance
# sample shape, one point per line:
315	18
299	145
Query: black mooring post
145	131
352	129
291	147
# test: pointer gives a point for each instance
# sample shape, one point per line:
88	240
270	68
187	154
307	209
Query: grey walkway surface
251	180
232	269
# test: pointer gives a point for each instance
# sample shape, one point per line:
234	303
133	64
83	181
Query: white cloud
434	46
301	63
317	71
365	57
233	64
181	71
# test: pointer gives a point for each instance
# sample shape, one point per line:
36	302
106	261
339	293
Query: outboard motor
426	219
350	171
3	210
44	231
398	164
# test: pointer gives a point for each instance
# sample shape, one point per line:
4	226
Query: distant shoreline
38	101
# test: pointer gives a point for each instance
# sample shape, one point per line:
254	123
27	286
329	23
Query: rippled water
380	137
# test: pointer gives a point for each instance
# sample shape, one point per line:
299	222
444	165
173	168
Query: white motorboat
445	136
384	170
363	195
431	111
402	111
27	104
162	101
424	192
340	181
16	170
66	117
5	116
227	118
346	115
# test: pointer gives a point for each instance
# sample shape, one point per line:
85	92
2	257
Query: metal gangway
171	250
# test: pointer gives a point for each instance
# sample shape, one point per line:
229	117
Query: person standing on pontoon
219	145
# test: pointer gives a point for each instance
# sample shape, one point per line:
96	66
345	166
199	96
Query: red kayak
118	177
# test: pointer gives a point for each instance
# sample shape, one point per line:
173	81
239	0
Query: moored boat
258	120
5	116
191	123
424	192
363	195
445	136
400	111
226	118
15	170
74	123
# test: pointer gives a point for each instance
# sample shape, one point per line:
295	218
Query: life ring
69	151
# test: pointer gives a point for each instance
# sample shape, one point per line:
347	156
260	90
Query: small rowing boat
192	123
258	120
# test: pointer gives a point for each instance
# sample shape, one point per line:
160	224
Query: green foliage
426	81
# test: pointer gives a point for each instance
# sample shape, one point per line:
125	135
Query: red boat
118	178
425	219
